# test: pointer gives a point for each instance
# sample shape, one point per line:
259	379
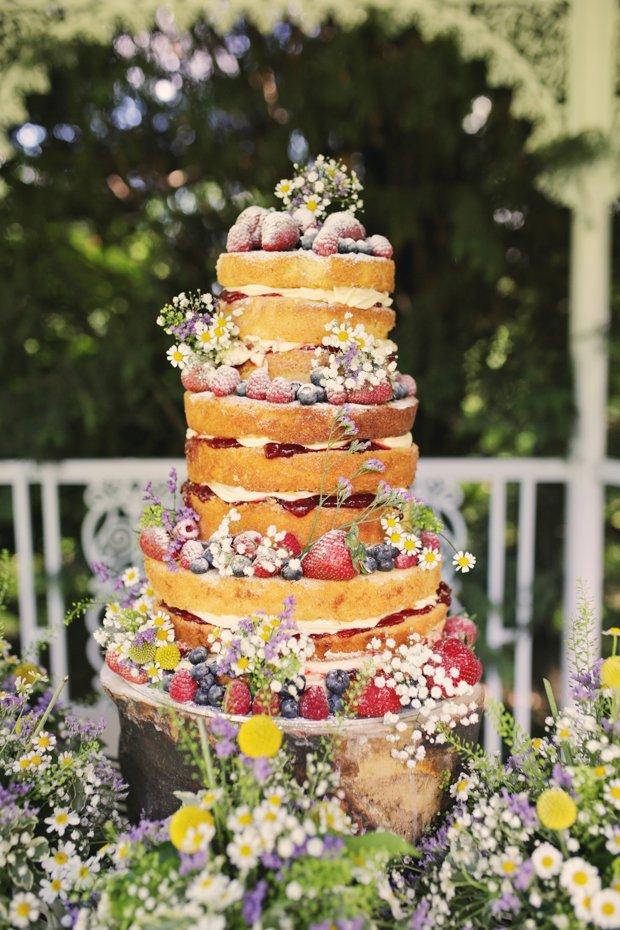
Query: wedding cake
294	573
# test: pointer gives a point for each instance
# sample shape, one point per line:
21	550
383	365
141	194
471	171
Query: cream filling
362	298
258	442
232	621
231	494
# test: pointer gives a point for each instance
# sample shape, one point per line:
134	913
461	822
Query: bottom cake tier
379	790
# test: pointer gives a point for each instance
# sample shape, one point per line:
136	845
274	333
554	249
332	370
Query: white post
590	108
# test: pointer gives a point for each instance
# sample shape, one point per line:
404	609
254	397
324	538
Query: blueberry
385	565
335	704
202	673
197	655
241	389
308	238
321	395
213	670
292	571
382	552
202	697
289	707
337	681
239	565
307	394
216	695
207	554
400	391
295	385
364	247
317	376
342	245
347	245
370	565
199	566
165	682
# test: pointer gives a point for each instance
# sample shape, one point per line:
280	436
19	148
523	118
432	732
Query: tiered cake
298	576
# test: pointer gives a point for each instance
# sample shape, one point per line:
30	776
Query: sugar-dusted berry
186	529
406	560
375	701
304	218
462	628
252	218
279	391
279	232
239	238
257	384
329	558
225	380
197	378
409	383
155	542
345	226
381	247
247	543
191	551
371	394
326	243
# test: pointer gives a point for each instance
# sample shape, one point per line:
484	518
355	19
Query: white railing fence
113	499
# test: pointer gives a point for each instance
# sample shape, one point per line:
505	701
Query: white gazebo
560	59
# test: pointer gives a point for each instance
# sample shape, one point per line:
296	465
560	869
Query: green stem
54	699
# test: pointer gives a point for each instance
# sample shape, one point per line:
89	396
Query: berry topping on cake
313	703
304	218
279	391
381	247
129	672
292	545
336	396
252	219
186	529
329	558
182	686
406	560
247	543
462	628
409	383
337	681
197	378
266	704
237	699
430	540
155	542
325	243
224	381
458	661
267	564
375	701
191	551
371	394
257	384
345	226
280	232
239	238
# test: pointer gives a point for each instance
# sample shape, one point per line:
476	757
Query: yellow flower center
23	909
547	862
608	909
580	878
509	867
615	792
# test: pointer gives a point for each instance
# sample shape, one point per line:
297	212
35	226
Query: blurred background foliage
131	169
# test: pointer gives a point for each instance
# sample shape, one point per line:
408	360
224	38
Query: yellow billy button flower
259	737
186	823
610	673
556	809
27	671
168	657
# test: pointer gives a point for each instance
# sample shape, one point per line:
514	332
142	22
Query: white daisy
50	888
24	909
244	850
130	576
547	860
61	819
612	793
429	558
605	909
177	355
579	878
463	561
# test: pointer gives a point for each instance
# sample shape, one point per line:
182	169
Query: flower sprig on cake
166	525
319	185
205	333
360	369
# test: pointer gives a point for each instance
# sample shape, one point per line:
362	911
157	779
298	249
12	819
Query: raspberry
280	232
266	704
375	701
239	238
304	218
313	703
168	656
329	558
252	218
345	226
190	551
225	380
462	628
186	529
237	699
266	566
381	247
197	378
430	540
279	391
371	394
141	653
154	542
182	686
326	243
406	561
247	543
291	544
409	383
336	396
455	655
257	384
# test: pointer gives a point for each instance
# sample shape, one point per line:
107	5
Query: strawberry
279	391
457	658
461	628
186	529
375	701
182	686
291	544
404	560
326	243
154	542
225	380
313	703
381	247
409	383
252	219
191	551
345	226
239	238
329	558
237	699
129	672
266	566
430	540
279	232
197	378
258	383
371	394
266	704
247	543
336	396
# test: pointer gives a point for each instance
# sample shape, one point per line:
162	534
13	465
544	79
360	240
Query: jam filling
229	297
444	596
300	508
276	450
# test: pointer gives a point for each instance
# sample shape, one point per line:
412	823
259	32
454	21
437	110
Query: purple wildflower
193	863
584	686
373	465
561	777
171	483
524	876
506	903
519	805
253	902
419	920
344	488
